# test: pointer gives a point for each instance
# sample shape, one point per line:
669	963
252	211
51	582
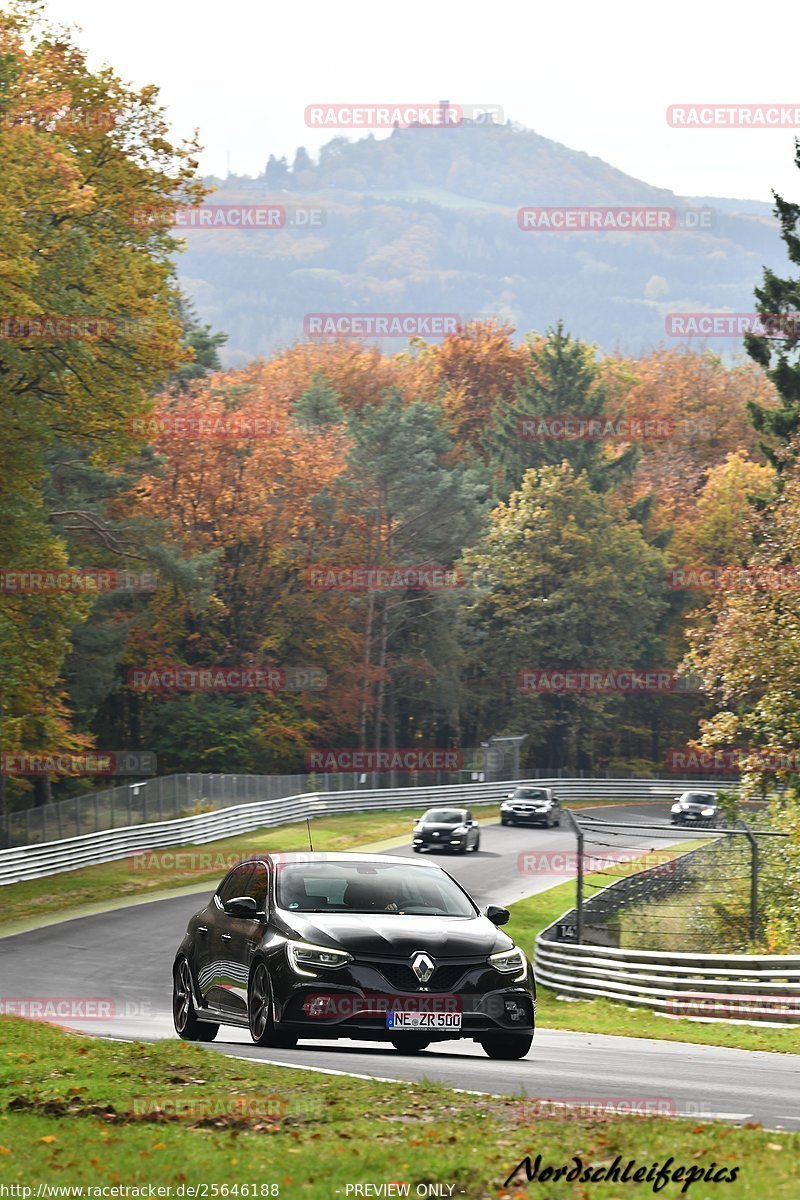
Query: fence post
579	878
755	931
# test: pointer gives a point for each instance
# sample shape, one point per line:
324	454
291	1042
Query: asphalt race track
126	956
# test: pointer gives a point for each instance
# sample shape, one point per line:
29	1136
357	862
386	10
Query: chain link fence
705	900
171	796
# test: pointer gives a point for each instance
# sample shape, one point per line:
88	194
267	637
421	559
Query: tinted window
257	887
364	888
444	816
530	794
235	883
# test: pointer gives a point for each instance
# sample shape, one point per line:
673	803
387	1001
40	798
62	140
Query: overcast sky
596	76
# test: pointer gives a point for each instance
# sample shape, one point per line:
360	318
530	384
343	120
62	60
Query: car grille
400	976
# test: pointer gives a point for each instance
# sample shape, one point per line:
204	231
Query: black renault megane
357	946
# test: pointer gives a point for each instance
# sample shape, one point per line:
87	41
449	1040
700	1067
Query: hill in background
425	220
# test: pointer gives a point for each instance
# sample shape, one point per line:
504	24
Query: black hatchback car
447	829
370	947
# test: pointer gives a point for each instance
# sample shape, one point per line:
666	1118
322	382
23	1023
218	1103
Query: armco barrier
50	858
754	988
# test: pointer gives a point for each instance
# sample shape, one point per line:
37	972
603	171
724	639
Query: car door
240	938
222	972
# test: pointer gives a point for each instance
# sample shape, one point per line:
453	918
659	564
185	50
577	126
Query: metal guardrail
167	797
37	861
754	988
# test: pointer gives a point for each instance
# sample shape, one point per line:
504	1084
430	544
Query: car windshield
698	798
444	816
339	887
530	794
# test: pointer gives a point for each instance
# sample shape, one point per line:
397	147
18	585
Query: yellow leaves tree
89	311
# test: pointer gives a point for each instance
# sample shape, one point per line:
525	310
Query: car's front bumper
431	843
355	1000
530	816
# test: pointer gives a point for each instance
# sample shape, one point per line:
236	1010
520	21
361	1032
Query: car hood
397	936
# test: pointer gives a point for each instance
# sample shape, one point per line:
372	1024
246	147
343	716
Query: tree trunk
41	790
362	735
381	691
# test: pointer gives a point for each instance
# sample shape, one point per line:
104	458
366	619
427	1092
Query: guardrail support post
579	876
755	930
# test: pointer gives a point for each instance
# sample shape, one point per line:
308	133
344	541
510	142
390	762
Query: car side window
235	883
257	887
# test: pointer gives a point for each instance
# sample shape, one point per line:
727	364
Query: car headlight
305	954
460	829
510	962
675	808
417	829
506	804
708	812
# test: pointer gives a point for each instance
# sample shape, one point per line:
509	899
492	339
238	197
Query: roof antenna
310	843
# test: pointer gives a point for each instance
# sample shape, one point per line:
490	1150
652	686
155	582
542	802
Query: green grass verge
82	1111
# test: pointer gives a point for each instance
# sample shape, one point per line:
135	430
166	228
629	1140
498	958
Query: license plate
423	1020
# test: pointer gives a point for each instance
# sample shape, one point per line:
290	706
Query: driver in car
377	896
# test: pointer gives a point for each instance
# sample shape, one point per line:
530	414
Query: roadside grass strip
81	1111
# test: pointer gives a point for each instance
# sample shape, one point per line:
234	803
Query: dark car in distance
447	829
530	806
368	947
695	808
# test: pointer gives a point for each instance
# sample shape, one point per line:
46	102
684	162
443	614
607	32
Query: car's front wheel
507	1045
407	1043
259	1012
187	1025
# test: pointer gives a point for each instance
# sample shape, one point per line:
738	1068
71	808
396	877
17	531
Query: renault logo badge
423	966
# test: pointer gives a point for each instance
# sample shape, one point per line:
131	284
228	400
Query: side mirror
241	906
510	796
497	915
